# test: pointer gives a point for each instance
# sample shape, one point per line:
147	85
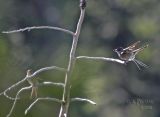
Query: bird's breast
127	56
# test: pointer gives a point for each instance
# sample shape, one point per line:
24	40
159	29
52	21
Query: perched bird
128	54
33	82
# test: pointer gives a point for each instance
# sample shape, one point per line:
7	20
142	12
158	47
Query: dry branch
39	99
101	59
39	27
17	95
66	93
51	83
33	76
83	100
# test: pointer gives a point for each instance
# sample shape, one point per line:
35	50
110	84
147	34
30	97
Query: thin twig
33	75
51	83
40	27
39	99
83	100
101	58
18	93
6	95
14	85
46	69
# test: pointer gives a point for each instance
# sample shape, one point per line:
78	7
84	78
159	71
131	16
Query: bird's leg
125	62
137	64
142	64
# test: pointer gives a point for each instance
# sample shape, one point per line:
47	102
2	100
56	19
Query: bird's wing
133	46
140	49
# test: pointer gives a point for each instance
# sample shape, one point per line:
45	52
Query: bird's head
118	50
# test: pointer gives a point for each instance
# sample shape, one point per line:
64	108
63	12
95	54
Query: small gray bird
128	54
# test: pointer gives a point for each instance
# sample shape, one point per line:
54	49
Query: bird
129	53
33	82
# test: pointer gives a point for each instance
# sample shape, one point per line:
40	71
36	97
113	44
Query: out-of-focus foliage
119	90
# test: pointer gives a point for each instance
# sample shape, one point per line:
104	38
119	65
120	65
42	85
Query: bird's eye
119	49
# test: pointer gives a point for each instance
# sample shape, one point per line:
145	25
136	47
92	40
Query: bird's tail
139	63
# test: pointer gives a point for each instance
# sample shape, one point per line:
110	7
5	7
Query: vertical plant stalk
66	92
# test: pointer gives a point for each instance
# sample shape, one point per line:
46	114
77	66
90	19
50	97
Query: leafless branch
14	85
101	59
51	83
46	69
66	92
83	100
33	75
14	103
39	99
40	27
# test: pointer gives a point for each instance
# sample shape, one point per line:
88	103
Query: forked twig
33	75
14	103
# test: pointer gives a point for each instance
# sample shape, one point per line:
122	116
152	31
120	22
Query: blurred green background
119	90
